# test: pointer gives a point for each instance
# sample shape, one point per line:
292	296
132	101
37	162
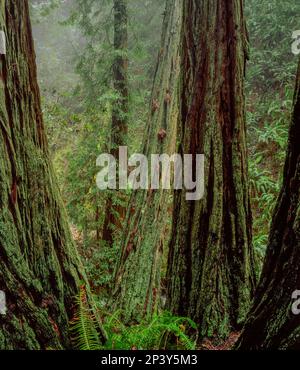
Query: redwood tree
40	271
146	231
115	211
271	323
211	273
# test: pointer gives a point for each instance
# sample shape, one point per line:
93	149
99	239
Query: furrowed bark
40	271
211	265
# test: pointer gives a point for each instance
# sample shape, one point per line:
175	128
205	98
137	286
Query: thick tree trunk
211	266
40	271
137	288
271	323
115	213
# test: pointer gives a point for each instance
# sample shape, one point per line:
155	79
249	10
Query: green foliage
95	60
271	23
41	9
164	331
100	260
83	325
269	86
268	133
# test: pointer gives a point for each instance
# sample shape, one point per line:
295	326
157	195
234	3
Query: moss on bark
138	272
40	270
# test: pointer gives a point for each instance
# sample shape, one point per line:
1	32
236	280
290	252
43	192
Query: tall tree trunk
211	266
271	323
137	288
40	271
115	212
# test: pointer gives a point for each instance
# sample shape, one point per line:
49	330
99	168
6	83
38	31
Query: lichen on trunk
138	272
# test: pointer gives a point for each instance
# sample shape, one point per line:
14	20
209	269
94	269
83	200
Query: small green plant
163	331
83	325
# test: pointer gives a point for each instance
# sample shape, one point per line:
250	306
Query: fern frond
83	325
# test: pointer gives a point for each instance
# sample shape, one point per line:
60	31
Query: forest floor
209	344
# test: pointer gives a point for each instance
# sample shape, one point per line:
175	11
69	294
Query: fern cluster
163	331
268	123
